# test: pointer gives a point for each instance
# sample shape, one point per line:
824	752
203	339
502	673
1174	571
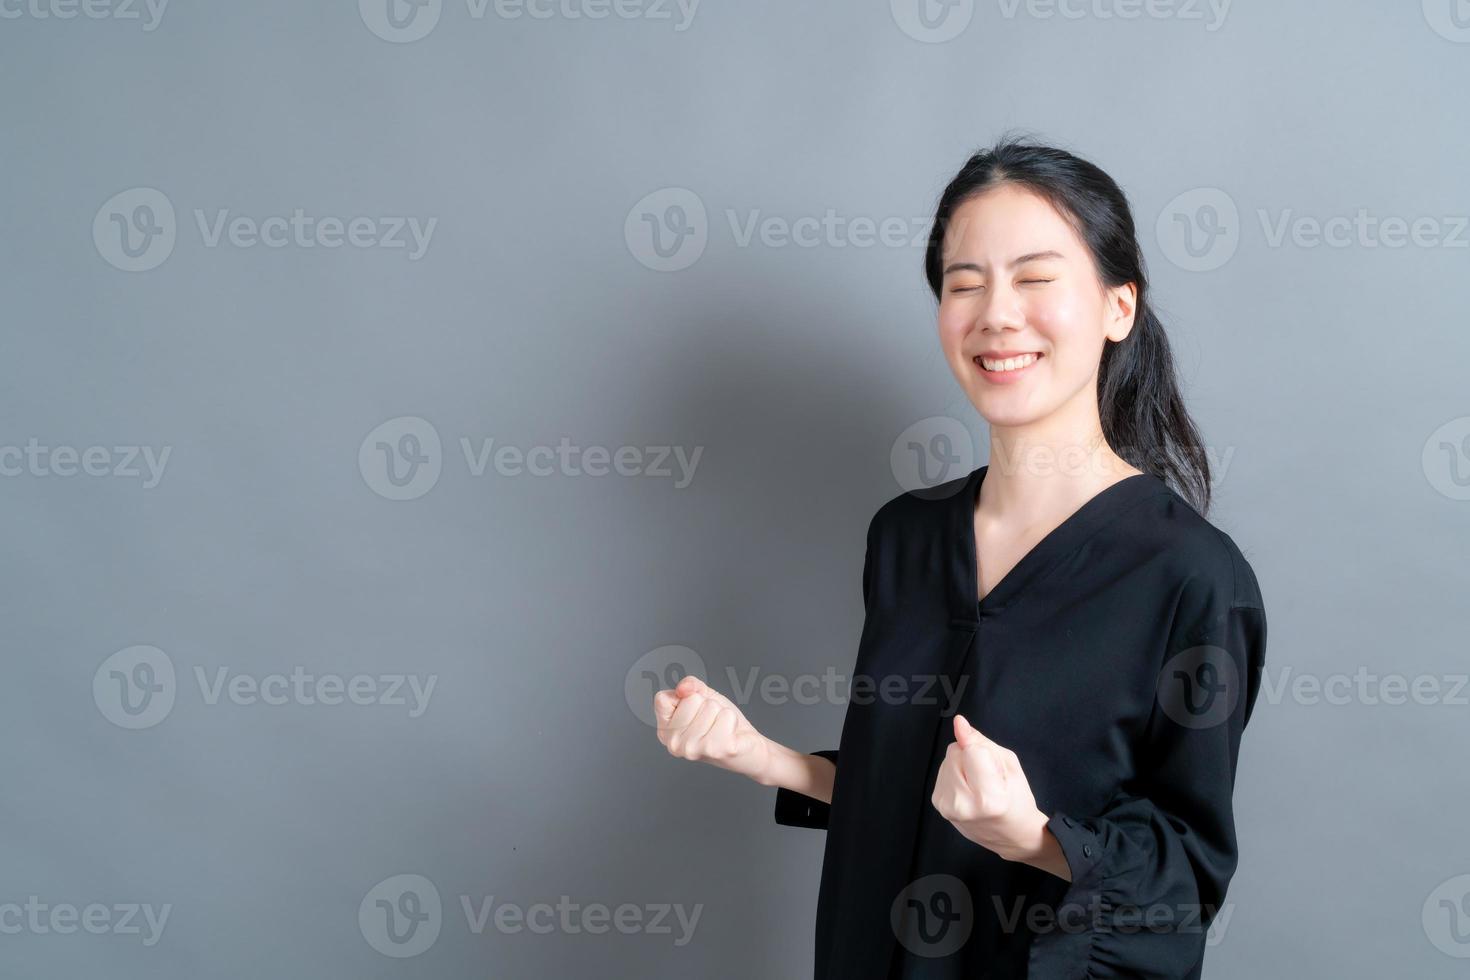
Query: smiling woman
1064	811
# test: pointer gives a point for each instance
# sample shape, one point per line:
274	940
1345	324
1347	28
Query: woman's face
1018	281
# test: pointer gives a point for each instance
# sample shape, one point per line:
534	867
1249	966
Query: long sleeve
1150	870
797	809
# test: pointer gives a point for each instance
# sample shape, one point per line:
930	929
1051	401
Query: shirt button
1087	850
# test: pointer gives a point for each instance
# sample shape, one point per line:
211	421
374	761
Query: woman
1059	652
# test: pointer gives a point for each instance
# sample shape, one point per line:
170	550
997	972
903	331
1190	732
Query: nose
1001	310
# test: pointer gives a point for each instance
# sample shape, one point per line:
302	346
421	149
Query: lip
1005	377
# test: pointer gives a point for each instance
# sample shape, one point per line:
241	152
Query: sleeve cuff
1066	952
795	809
1080	847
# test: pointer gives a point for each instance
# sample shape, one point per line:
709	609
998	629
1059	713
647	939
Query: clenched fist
983	792
698	723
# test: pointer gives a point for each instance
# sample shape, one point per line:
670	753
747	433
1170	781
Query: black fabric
1120	660
797	810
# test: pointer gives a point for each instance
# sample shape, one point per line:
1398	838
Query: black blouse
1120	660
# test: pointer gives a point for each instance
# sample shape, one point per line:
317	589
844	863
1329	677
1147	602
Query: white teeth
1009	364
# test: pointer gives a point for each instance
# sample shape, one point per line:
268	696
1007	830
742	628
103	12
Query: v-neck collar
1066	537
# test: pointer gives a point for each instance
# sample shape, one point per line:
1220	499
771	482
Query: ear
1120	307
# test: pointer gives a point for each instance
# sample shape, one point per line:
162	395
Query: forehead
1008	220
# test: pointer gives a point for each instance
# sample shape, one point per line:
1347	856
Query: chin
1010	421
1006	412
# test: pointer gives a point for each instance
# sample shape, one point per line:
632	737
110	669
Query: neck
1051	464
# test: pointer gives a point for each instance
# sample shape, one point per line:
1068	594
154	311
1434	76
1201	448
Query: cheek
952	326
1068	325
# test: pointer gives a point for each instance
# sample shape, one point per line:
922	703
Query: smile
1006	368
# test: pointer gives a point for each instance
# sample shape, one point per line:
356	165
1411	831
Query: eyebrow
1018	260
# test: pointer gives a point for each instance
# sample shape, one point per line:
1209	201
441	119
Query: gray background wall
1328	377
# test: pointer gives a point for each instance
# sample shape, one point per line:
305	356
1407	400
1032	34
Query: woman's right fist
698	723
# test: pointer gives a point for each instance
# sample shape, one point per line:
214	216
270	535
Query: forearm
809	775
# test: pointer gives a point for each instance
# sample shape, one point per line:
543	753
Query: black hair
1143	415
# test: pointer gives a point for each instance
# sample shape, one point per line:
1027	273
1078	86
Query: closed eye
971	289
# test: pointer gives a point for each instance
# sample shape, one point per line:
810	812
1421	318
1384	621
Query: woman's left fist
983	792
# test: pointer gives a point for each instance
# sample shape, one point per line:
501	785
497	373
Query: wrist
769	773
1030	845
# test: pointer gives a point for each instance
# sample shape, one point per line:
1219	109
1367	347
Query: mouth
1007	367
